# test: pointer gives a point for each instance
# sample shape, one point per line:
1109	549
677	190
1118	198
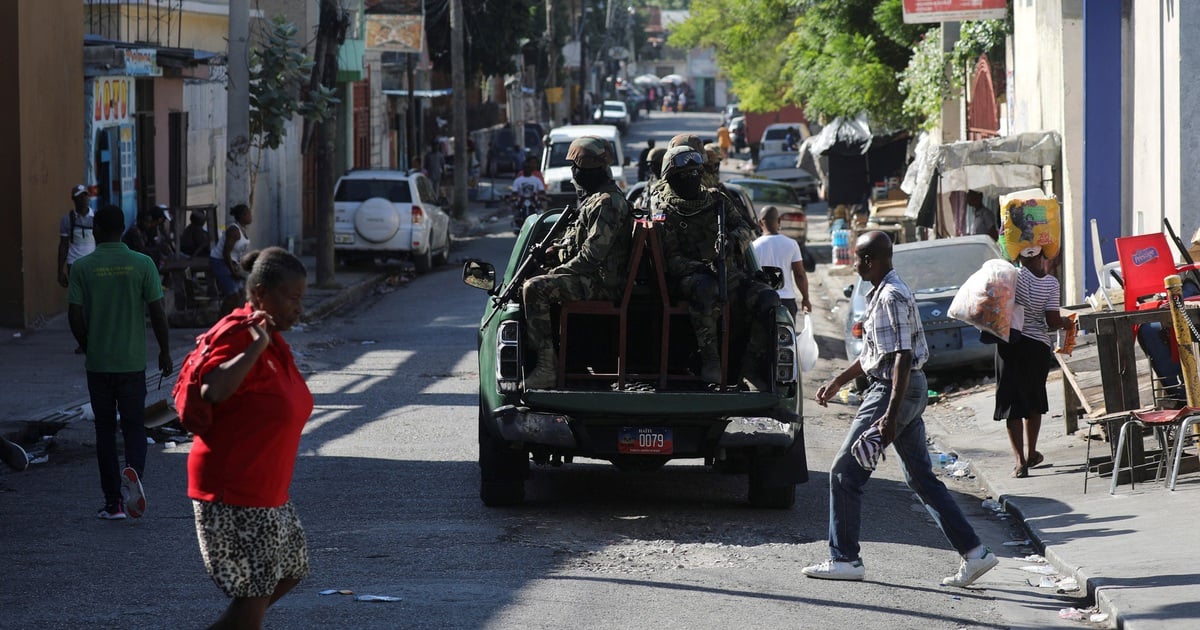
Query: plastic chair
1103	270
1145	260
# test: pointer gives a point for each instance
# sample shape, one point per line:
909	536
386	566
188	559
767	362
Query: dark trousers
791	306
124	392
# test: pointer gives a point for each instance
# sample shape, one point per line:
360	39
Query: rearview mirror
848	291
774	277
479	274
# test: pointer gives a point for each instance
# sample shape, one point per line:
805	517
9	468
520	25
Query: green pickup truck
626	392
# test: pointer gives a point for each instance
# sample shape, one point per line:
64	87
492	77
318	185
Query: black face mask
686	184
590	179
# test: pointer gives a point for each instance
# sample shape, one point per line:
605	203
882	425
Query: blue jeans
112	392
847	478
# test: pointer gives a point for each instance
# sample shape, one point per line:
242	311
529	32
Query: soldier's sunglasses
687	158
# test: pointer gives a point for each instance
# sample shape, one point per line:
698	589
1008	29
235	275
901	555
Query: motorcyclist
527	186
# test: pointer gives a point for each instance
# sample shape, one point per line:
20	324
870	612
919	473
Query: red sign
918	11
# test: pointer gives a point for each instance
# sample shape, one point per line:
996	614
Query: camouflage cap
681	158
687	139
589	152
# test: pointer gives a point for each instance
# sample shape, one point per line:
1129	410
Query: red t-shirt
247	457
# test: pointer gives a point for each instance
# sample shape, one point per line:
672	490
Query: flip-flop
1036	460
1020	472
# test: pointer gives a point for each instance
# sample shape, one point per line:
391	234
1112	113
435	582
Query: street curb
347	295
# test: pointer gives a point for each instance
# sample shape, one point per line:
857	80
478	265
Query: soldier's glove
720	244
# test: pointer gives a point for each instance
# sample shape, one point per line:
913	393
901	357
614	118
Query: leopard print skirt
248	550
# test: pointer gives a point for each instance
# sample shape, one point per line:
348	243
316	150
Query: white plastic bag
806	346
987	299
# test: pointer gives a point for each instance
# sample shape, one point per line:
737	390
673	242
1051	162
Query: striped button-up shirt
891	324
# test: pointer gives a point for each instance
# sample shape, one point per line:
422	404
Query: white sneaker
972	568
836	570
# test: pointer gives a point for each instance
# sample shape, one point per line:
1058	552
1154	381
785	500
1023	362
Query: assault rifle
534	257
722	281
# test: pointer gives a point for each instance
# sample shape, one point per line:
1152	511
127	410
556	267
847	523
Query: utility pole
237	103
331	32
458	82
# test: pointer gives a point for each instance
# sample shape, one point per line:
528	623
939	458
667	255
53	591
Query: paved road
386	485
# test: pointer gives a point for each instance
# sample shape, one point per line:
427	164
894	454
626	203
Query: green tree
278	73
494	34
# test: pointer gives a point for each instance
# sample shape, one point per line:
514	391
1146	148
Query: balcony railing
153	22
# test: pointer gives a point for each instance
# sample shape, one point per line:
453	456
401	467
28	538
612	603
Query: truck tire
424	262
502	470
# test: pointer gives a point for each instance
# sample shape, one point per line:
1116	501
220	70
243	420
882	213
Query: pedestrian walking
240	469
76	236
225	257
644	161
108	295
894	350
724	140
435	164
773	249
1023	363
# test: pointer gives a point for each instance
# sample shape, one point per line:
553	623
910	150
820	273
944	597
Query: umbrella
646	80
673	78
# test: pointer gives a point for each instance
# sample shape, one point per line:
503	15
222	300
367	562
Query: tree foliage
747	38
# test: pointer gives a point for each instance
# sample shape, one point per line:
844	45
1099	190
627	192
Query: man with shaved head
893	352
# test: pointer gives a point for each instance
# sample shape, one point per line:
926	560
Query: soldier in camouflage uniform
690	244
711	178
656	190
641	205
594	254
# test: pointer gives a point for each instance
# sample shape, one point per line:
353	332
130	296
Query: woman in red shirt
240	469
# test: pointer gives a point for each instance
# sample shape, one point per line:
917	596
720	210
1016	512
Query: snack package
1068	334
987	299
1028	222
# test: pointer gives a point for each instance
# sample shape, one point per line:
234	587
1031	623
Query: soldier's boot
545	375
710	363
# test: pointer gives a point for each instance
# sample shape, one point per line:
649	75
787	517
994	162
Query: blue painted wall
1102	131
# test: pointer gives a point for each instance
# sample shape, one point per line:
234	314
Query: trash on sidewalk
848	396
1040	569
1080	614
1018	543
377	598
933	396
993	505
1067	585
1033	557
336	591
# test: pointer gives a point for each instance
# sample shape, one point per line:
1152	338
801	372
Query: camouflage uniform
595	252
689	244
656	190
712	179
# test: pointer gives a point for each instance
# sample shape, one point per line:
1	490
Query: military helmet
689	140
712	154
681	158
589	152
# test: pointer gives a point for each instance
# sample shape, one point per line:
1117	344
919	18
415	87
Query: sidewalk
1135	552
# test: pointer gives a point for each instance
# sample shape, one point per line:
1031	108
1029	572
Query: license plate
343	239
944	339
645	441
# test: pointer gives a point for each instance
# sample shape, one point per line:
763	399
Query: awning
993	167
350	60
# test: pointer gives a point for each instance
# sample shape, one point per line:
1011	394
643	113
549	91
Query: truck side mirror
848	291
774	277
479	274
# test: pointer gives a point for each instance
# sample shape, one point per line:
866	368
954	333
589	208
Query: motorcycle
525	203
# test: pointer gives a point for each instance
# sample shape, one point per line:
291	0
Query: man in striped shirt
894	350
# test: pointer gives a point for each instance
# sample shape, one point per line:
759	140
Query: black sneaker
112	512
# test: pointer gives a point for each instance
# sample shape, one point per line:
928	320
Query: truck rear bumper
516	424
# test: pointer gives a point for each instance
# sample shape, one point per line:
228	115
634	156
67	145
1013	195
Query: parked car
782	167
933	270
793	221
774	138
389	214
612	113
732	110
502	157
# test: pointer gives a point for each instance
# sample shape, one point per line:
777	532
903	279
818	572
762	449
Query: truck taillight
785	354
508	354
792	219
418	215
856	330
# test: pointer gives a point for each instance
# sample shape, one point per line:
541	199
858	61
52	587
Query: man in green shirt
108	294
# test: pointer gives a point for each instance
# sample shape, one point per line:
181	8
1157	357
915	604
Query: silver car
389	214
781	167
933	270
